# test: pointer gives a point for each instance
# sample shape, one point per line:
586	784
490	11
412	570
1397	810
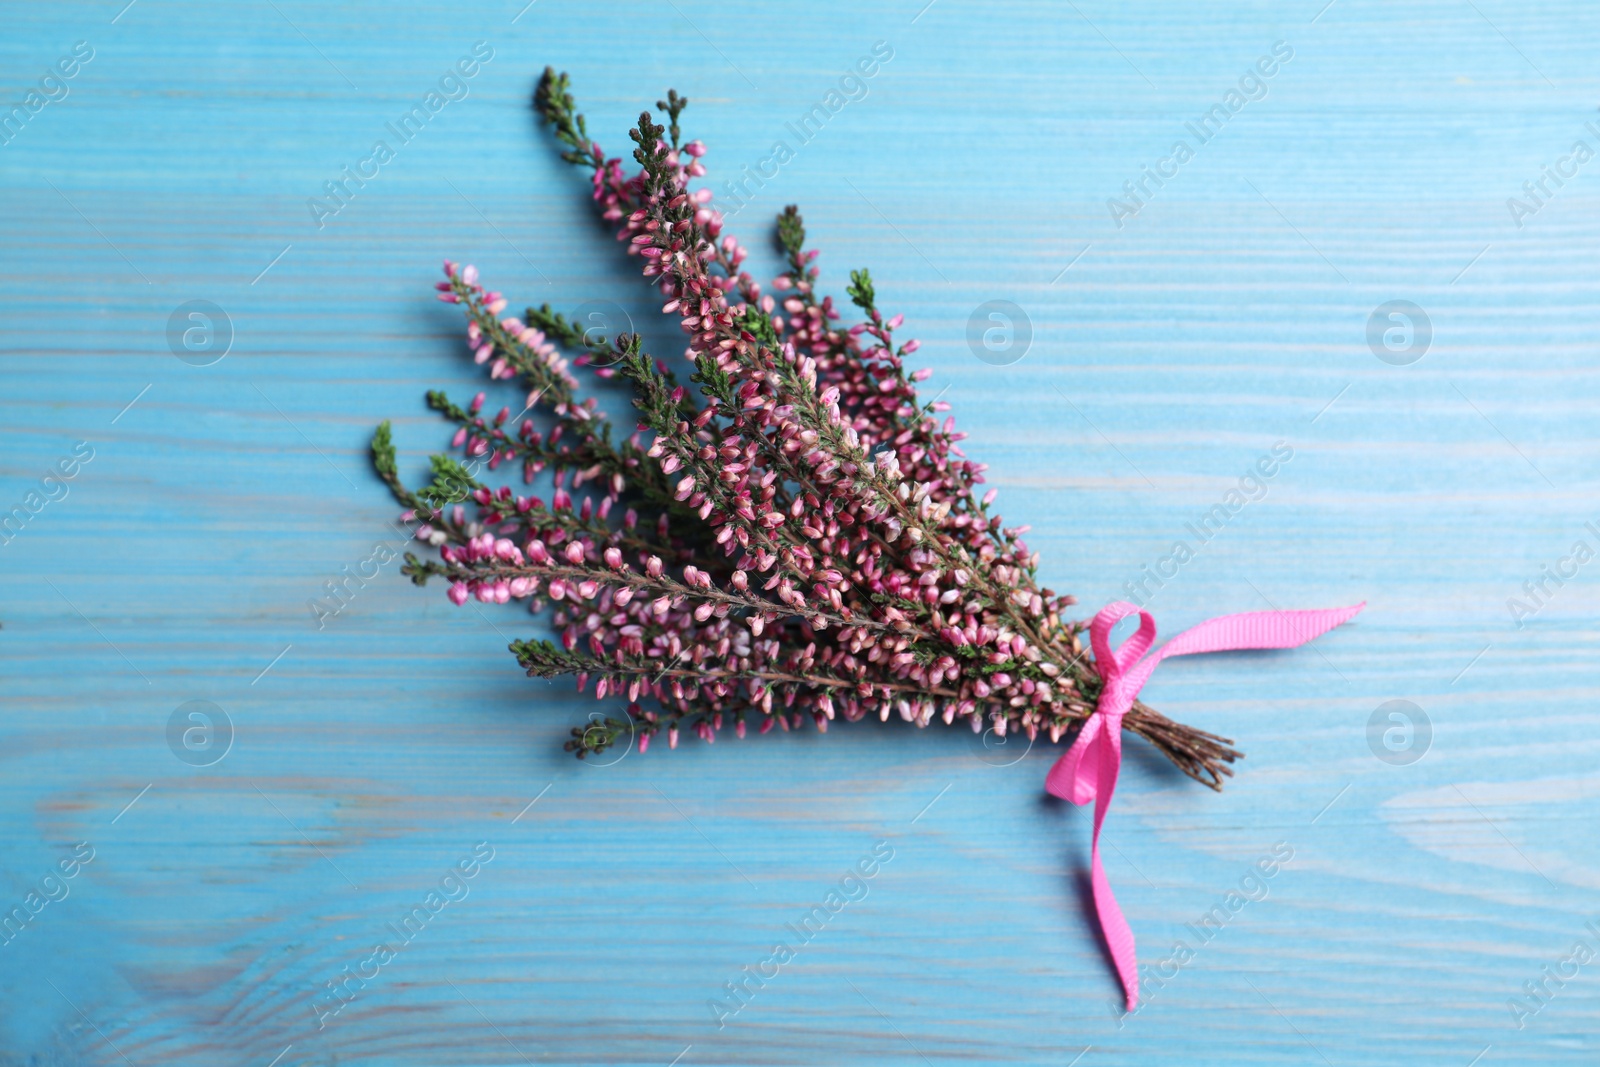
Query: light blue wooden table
1227	313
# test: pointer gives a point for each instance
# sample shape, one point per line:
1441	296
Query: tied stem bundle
791	534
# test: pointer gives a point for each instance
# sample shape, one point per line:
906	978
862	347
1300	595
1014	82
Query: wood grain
1229	314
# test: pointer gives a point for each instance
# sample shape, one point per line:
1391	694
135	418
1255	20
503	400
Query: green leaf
452	483
860	289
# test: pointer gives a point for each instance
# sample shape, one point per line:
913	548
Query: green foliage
441	403
552	99
653	390
715	384
758	324
546	659
383	461
861	292
647	136
599	735
673	105
557	327
791	233
383	457
452	483
418	570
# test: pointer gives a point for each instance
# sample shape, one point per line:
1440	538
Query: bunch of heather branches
797	536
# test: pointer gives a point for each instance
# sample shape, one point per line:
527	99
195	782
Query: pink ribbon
1088	770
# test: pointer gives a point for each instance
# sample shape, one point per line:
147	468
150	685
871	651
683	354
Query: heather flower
790	535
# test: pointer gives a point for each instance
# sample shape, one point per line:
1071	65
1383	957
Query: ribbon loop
1113	665
1088	770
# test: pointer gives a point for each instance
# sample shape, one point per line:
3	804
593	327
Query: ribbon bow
1088	770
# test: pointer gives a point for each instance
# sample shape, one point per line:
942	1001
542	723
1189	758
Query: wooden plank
1229	313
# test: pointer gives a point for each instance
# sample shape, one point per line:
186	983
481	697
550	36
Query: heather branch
525	350
571	663
791	236
813	455
553	100
451	483
676	592
1200	755
383	461
592	457
794	384
671	235
703	474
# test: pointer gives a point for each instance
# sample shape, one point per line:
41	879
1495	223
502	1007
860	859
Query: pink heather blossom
801	539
